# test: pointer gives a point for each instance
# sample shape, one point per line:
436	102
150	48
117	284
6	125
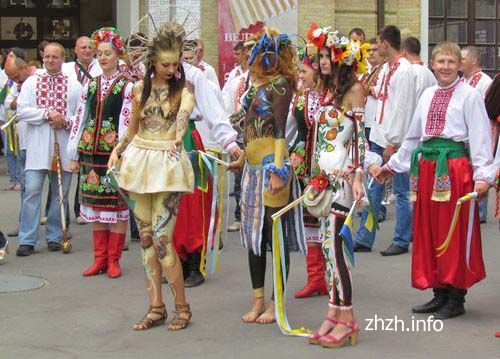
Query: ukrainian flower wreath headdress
344	50
108	35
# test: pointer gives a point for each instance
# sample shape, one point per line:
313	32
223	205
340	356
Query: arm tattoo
182	121
122	145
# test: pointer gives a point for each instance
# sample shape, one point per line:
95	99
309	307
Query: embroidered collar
450	87
111	77
475	72
54	74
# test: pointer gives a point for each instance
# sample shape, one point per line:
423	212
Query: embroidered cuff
283	172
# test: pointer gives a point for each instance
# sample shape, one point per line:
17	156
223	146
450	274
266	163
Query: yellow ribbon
280	286
444	246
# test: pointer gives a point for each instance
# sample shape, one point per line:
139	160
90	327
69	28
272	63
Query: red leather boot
115	247
100	265
316	282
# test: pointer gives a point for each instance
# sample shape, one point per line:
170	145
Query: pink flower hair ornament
108	35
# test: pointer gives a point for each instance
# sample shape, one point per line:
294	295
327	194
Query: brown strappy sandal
181	318
147	322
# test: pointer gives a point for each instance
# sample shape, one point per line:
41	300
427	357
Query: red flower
320	182
319	41
337	54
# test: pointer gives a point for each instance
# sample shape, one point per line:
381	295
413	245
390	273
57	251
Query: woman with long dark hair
339	156
155	169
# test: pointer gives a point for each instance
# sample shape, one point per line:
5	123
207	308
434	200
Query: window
468	22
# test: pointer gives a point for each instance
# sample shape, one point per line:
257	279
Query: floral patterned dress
104	112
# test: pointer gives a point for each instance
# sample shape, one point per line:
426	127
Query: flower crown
344	50
108	35
268	45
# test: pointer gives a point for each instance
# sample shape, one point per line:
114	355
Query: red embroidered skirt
431	222
193	219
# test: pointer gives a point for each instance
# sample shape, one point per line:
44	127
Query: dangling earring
178	75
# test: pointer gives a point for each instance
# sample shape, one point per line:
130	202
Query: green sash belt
439	150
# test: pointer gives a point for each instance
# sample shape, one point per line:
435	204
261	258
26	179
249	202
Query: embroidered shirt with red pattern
52	92
382	94
436	117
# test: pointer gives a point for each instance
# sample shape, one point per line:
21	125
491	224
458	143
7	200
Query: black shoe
380	218
455	305
25	250
194	279
53	246
361	248
450	310
231	194
439	300
394	250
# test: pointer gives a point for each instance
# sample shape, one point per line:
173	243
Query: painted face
306	76
107	57
83	51
445	66
53	59
325	63
166	65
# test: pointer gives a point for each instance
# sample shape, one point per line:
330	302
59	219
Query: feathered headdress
268	45
108	35
173	33
343	50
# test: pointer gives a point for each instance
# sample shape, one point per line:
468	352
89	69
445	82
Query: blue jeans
31	212
22	163
12	165
404	210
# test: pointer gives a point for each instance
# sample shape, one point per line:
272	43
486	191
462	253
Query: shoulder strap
82	69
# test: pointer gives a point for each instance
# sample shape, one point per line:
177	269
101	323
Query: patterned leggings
337	269
156	214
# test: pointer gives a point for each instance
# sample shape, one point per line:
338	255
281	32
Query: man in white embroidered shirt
396	96
46	103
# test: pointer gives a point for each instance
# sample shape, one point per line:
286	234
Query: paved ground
76	317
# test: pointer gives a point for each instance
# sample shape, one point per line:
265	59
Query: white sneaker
81	220
235	227
43	220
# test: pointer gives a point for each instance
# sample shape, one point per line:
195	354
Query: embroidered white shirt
461	118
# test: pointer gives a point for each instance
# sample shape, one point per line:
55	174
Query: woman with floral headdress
155	169
339	161
102	118
266	180
303	111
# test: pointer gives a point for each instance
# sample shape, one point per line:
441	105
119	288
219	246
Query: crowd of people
325	125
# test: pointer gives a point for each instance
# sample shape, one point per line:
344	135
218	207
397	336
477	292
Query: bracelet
282	172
